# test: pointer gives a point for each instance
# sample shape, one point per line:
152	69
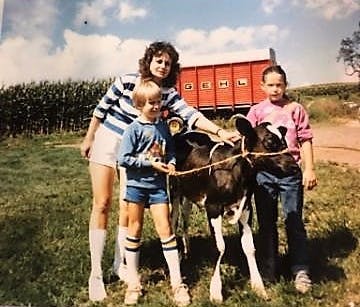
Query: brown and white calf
221	177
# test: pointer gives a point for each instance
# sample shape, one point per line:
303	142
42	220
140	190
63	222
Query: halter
244	154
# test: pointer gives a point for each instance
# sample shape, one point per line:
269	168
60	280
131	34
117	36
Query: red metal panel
205	79
257	70
223	85
188	87
242	82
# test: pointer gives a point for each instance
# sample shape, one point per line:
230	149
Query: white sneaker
181	295
132	294
97	291
302	281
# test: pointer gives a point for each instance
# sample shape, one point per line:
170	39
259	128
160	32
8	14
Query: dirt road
339	143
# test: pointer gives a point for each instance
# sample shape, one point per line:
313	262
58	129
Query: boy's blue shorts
146	196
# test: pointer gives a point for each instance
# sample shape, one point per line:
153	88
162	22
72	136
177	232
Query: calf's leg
215	284
186	211
247	243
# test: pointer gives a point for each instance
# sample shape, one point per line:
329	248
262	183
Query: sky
94	39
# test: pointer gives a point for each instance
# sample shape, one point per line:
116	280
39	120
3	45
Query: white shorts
105	147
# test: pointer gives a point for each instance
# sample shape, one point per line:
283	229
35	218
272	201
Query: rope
243	154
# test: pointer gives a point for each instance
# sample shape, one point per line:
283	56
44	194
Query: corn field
54	107
48	107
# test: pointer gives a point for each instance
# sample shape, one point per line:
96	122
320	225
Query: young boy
147	153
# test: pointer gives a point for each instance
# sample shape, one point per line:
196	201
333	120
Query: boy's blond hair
146	90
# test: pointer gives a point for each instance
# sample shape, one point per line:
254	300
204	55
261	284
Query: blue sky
85	39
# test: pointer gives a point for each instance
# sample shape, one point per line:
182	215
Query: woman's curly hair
157	49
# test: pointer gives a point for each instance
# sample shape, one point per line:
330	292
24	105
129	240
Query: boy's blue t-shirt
142	143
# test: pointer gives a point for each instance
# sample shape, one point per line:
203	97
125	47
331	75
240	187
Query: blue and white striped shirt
116	109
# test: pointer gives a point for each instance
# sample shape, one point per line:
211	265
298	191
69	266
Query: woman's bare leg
119	266
102	178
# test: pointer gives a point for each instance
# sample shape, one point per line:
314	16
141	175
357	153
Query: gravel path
338	143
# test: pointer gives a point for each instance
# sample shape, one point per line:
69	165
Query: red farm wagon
228	81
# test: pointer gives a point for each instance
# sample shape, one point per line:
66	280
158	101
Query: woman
112	115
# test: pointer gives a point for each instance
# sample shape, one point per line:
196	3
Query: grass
44	258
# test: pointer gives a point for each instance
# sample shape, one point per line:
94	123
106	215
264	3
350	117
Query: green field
44	259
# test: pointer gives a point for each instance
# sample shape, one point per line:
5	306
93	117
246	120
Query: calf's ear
244	126
282	130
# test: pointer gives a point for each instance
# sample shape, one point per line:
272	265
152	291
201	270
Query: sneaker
96	289
302	281
181	295
132	294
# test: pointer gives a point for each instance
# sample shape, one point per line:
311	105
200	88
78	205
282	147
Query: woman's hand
85	148
228	136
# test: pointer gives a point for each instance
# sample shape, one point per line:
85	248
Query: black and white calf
221	177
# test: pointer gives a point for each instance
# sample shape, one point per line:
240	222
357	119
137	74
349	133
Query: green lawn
44	260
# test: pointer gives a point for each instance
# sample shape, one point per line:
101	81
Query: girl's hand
160	166
309	179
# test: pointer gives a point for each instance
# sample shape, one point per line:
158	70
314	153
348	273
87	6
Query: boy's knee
164	230
134	227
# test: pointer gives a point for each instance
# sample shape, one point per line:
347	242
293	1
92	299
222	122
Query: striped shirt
116	109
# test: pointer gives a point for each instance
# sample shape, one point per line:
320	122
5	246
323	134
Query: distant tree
350	54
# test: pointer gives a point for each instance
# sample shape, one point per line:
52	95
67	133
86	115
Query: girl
148	154
111	117
278	110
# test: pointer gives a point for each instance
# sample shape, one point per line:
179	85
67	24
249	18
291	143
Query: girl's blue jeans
268	189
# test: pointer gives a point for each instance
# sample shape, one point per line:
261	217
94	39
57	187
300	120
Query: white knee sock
132	254
169	247
119	256
97	242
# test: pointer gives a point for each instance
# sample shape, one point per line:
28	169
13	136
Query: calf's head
266	138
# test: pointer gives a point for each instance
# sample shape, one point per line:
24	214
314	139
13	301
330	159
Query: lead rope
243	154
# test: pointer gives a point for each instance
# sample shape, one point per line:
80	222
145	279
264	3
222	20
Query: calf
221	177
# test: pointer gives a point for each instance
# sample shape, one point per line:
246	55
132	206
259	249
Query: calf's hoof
261	292
216	299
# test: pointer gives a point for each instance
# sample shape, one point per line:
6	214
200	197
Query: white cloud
31	18
269	5
97	12
190	37
93	12
82	57
128	12
330	9
227	39
24	60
